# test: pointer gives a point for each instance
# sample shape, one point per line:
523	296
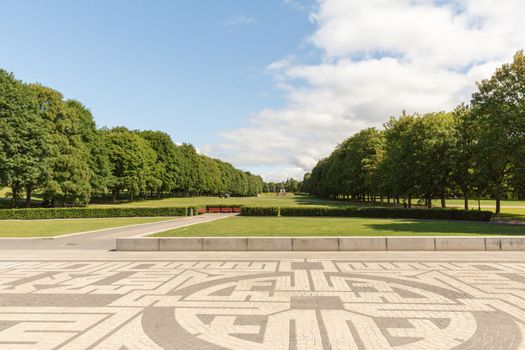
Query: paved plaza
388	300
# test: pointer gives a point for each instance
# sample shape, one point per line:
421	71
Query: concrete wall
388	243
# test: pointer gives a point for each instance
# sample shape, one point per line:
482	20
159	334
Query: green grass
266	200
511	213
269	200
49	228
303	226
473	203
510	209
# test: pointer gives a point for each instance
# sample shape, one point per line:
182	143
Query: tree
23	143
132	161
70	175
165	178
400	157
499	108
466	131
93	139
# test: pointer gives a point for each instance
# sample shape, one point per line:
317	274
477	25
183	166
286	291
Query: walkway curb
389	243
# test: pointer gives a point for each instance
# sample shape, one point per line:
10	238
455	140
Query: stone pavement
164	300
104	239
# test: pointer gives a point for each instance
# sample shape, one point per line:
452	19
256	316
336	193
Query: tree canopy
53	146
473	150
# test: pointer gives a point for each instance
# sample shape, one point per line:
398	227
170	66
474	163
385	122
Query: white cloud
379	57
237	19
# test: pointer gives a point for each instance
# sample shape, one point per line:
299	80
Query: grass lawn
303	226
270	200
48	228
265	200
473	203
513	213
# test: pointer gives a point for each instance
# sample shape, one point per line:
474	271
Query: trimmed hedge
391	212
79	213
260	211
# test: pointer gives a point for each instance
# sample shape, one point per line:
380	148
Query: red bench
226	210
201	210
214	210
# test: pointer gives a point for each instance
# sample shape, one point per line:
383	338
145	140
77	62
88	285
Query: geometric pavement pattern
267	304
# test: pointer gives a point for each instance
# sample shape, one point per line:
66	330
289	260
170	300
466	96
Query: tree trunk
114	194
443	200
410	201
465	198
28	197
498	202
14	194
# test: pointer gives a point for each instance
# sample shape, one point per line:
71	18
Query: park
286	175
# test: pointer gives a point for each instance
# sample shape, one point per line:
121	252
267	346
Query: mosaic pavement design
280	304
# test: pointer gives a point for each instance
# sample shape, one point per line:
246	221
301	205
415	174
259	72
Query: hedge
391	212
260	211
74	213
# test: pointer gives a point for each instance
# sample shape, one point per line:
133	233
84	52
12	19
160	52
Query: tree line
289	185
475	151
52	146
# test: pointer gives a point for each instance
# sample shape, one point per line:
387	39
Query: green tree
466	131
132	162
93	139
70	175
23	143
165	171
499	107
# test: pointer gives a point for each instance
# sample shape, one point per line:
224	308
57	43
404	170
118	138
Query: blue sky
191	68
271	86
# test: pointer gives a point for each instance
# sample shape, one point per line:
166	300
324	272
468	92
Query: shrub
259	211
390	212
78	213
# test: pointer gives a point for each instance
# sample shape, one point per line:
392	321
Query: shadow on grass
452	227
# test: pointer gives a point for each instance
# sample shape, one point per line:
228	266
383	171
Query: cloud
378	57
238	19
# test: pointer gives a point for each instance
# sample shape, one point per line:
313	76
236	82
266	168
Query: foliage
259	211
391	212
24	144
53	146
72	213
477	150
499	108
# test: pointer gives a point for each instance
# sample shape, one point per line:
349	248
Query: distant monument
282	192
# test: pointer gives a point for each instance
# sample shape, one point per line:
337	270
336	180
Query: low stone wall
390	243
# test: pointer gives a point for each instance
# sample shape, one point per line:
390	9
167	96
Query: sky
271	86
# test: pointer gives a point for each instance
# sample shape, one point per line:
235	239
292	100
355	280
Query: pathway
105	239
